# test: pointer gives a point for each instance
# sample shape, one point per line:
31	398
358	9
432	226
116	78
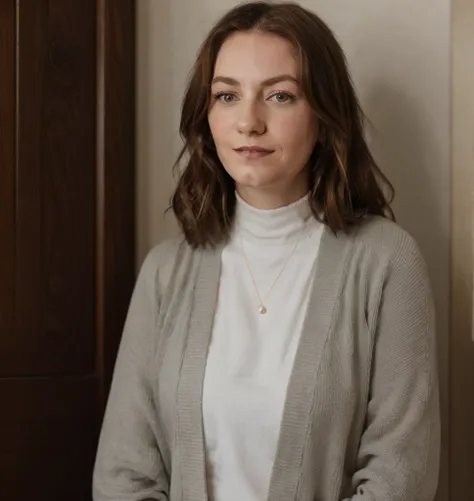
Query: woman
282	348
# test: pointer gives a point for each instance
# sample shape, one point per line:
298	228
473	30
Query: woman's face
262	125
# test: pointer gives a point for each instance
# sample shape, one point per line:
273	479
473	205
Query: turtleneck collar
272	226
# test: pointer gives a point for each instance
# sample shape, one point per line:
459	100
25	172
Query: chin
251	178
256	184
262	187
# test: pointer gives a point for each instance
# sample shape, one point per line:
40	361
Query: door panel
48	435
7	173
67	109
55	172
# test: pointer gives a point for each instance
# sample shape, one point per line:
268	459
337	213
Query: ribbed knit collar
271	226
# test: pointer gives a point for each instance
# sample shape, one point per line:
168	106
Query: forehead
255	55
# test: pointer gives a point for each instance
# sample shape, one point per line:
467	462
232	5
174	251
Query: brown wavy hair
345	183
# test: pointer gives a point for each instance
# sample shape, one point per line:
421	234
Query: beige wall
462	333
399	53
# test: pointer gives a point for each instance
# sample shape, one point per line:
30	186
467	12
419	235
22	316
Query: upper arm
399	449
128	463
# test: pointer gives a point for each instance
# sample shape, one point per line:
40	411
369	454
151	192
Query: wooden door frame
115	178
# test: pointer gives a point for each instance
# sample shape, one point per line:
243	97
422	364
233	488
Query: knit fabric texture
361	415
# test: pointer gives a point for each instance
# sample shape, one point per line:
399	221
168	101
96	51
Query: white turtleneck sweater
251	355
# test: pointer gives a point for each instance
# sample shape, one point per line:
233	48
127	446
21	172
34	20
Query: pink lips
253	151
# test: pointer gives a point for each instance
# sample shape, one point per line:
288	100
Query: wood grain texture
47	437
7	171
55	172
115	176
67	162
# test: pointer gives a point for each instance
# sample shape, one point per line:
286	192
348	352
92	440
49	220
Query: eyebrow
265	83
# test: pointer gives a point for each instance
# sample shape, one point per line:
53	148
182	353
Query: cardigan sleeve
129	465
398	456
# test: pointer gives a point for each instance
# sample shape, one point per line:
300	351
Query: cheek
213	126
299	133
218	125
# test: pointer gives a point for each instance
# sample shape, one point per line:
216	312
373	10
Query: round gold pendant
262	310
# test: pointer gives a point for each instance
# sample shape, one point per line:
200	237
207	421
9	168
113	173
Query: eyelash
287	94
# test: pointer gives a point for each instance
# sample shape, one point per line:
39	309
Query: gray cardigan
361	417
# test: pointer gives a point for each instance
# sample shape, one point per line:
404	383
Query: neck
283	224
272	197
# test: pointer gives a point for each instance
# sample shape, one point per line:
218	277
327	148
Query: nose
250	120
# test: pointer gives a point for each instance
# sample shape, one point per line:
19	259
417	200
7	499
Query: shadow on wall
406	150
403	146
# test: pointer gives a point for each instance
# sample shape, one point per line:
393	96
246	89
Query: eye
225	97
282	97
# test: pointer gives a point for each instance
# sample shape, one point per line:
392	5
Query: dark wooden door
66	234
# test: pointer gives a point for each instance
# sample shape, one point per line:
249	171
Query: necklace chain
262	309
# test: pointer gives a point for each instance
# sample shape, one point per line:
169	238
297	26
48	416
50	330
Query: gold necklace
262	309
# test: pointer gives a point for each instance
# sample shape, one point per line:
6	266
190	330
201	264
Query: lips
253	151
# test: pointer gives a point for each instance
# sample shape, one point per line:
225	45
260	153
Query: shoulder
393	270
390	259
171	260
163	254
387	242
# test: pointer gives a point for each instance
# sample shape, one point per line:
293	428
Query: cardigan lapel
298	411
190	434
